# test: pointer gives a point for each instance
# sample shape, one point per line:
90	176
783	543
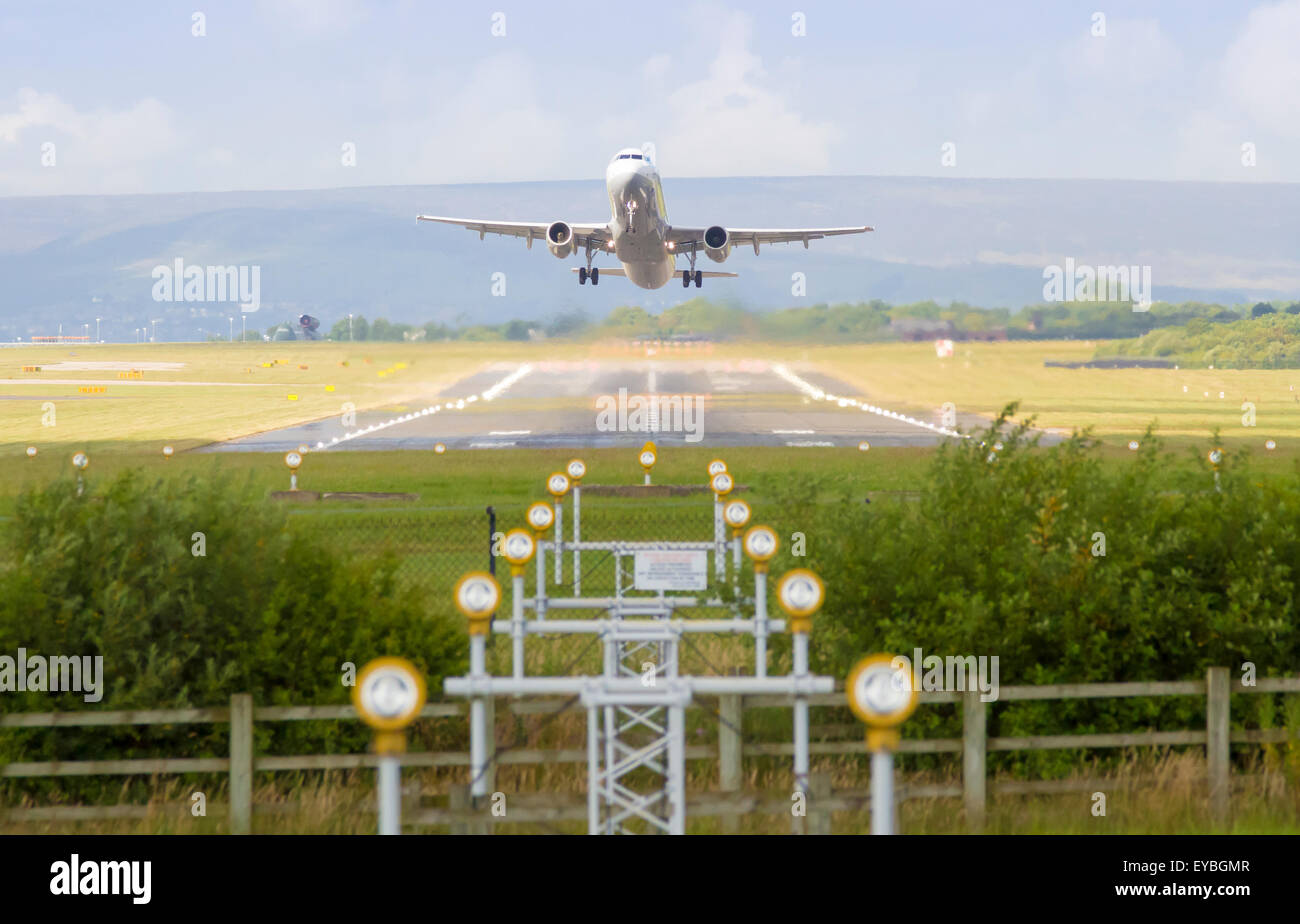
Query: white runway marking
808	443
509	432
818	394
793	432
492	444
493	392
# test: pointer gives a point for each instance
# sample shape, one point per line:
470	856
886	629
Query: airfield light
540	516
717	466
881	694
439	448
997	447
558	485
1216	457
760	545
864	446
1270	445
293	460
31	452
577	469
389	695
79	462
722	484
1133	445
647	458
800	593
736	513
518	547
168	451
477	595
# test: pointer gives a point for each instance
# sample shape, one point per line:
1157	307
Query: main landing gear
589	271
688	273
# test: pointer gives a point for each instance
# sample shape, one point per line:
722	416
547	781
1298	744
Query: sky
131	97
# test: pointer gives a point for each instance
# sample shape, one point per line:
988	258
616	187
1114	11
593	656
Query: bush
997	559
264	610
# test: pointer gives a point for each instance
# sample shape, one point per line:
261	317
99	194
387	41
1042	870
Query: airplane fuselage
638	220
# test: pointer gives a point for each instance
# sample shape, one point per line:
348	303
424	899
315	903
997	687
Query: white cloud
731	122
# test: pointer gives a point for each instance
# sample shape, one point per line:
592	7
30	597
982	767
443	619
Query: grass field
246	388
1116	403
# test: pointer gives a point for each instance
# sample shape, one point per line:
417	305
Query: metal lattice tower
636	706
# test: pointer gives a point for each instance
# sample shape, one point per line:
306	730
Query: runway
623	403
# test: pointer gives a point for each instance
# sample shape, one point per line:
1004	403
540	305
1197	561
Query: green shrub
265	610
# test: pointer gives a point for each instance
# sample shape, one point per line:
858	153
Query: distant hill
70	259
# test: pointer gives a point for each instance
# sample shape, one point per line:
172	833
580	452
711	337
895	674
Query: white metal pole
882	792
719	555
559	540
517	623
577	537
593	770
477	719
676	770
541	578
390	794
801	715
760	619
735	557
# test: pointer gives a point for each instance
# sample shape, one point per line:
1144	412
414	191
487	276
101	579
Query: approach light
389	694
717	466
800	592
477	595
722	484
518	547
577	469
761	543
558	485
540	516
880	691
736	513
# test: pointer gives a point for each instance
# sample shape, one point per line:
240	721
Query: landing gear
692	272
589	271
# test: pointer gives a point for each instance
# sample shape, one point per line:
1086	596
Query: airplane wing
619	271
594	233
685	237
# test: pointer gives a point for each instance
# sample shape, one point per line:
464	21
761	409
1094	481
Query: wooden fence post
1217	714
730	753
241	763
819	793
974	734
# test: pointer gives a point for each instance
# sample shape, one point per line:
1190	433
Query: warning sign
672	570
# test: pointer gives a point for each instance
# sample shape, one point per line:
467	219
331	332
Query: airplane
638	232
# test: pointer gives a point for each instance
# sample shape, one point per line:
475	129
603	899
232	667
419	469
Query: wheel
699	279
686	278
582	276
595	275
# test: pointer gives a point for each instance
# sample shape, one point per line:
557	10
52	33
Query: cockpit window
629	157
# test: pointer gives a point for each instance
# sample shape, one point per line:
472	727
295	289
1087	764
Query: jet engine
559	238
717	243
309	326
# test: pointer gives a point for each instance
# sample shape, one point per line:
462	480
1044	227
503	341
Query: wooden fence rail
730	751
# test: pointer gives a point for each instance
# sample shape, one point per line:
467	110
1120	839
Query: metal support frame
636	731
